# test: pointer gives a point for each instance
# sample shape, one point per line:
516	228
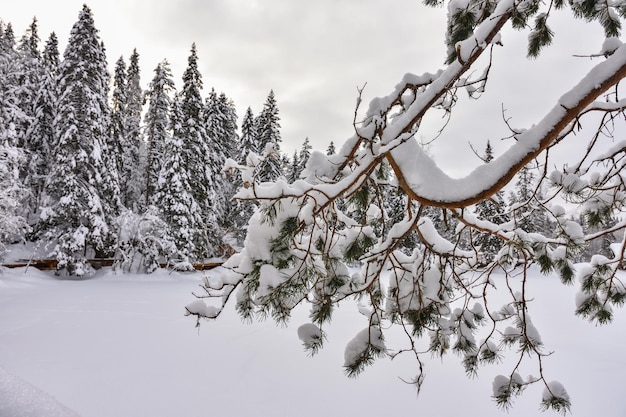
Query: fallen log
51	264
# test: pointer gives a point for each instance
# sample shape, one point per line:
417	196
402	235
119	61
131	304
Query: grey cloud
315	53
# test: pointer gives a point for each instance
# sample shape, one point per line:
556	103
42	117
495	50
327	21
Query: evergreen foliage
249	138
13	226
41	139
331	149
242	210
196	155
267	128
81	192
493	210
132	185
157	124
304	155
176	202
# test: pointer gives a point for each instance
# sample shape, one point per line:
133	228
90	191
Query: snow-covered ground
119	345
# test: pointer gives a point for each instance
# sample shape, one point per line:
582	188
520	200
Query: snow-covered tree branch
381	222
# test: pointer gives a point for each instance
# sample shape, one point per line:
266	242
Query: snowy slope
120	346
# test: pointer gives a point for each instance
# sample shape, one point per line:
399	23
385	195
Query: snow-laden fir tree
7	38
174	197
196	153
267	126
13	120
12	114
331	149
126	140
118	110
50	55
228	139
229	118
41	139
81	193
156	126
440	296
13	225
298	161
29	79
242	210
249	141
293	171
218	150
526	200
305	154
493	210
134	156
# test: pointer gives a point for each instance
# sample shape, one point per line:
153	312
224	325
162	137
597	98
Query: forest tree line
93	165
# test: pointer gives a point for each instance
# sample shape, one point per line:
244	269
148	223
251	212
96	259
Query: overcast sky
314	54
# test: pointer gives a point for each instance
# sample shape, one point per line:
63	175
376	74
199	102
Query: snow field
119	345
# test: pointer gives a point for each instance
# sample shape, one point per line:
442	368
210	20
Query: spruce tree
134	159
229	121
243	209
156	125
268	131
12	74
174	196
494	210
13	121
293	170
249	138
224	138
12	115
41	139
125	137
7	40
118	114
13	226
525	201
28	79
331	149
305	154
50	54
196	151
214	125
82	194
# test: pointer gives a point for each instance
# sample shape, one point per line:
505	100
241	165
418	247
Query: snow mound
18	398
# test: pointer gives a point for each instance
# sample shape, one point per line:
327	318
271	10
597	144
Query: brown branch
570	115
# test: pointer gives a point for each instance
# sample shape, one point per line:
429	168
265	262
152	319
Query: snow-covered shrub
143	241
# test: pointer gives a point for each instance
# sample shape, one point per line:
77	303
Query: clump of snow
500	382
554	389
599	260
200	308
309	333
610	45
269	278
359	344
318	166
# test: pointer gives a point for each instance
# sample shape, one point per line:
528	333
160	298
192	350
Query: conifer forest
100	163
